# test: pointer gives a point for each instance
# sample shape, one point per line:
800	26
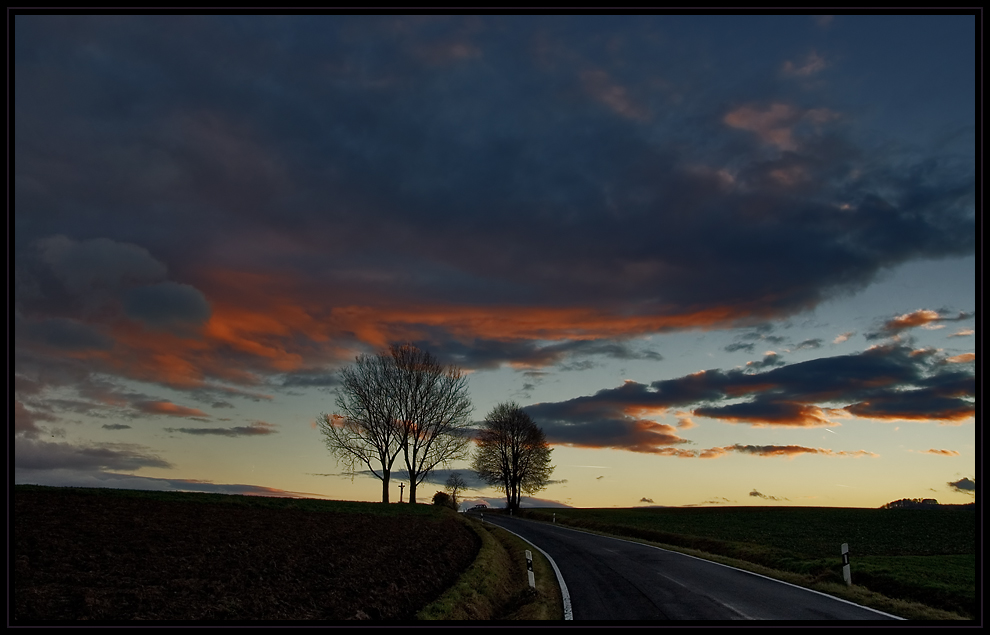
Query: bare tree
455	485
512	452
402	400
433	412
364	433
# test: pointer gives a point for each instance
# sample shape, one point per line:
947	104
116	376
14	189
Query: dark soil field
105	556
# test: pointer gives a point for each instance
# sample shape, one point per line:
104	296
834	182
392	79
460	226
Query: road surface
613	579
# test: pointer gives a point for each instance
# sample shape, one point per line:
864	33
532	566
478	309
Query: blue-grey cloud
280	171
99	263
257	428
26	421
44	455
343	127
488	353
964	486
888	382
71	477
739	346
67	334
167	305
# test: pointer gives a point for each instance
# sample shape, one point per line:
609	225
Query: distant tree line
911	503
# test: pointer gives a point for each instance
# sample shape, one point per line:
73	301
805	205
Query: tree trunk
385	479
412	490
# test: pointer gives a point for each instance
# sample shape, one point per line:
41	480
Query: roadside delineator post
529	569
555	518
846	574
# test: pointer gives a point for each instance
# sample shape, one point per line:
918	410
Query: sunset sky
720	260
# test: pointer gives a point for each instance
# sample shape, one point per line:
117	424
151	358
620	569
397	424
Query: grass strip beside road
496	586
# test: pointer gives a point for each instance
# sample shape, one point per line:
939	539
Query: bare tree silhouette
401	400
512	452
455	485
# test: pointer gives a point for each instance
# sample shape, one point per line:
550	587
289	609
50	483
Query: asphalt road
609	579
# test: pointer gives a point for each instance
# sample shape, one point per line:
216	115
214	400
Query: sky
719	260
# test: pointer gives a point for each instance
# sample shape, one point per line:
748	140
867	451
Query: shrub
443	499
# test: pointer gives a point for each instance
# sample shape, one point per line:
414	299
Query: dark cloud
809	344
769	360
713	501
26	421
739	346
67	334
924	404
882	382
98	264
602	427
963	486
489	353
258	428
767	412
268	194
70	477
785	451
43	455
301	379
115	426
222	155
764	496
167	305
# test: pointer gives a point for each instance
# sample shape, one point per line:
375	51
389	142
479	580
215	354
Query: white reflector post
529	569
846	574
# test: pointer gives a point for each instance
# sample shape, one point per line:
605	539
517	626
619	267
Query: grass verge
496	586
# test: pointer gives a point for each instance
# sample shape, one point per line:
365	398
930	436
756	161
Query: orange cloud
962	359
772	125
684	421
942	452
791	451
775	126
275	323
603	88
675	452
168	408
909	320
813	64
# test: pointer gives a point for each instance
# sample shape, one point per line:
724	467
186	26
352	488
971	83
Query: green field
925	556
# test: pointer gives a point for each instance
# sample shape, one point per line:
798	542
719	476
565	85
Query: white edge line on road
712	562
568	613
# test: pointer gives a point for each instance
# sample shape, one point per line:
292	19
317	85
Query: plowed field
80	556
